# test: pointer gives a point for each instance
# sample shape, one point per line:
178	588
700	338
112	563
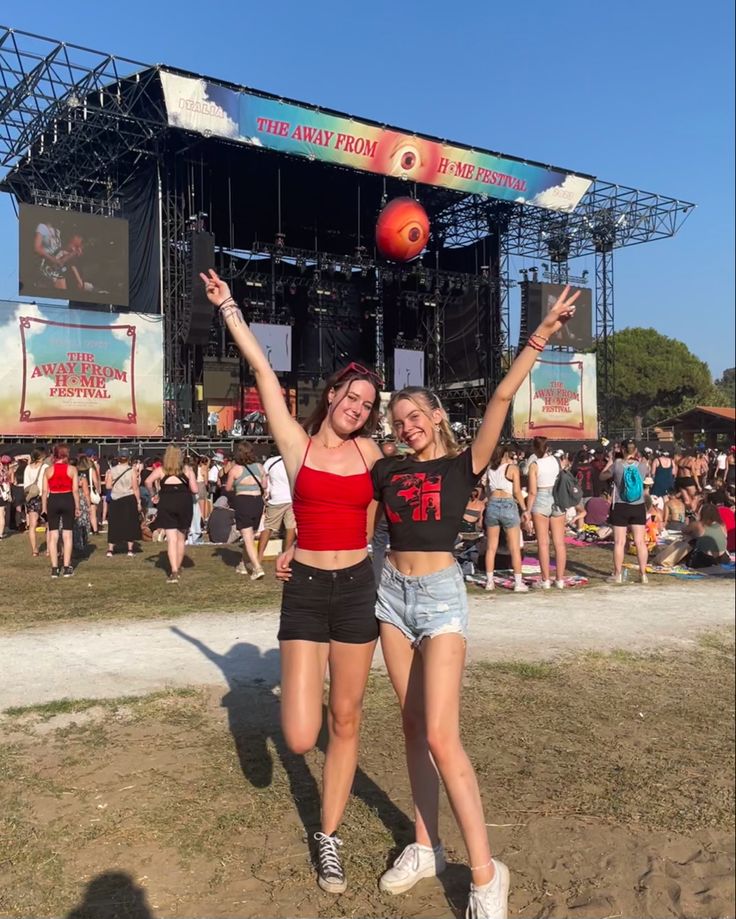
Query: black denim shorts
329	605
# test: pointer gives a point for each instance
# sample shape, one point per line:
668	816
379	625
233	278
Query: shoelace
410	853
329	859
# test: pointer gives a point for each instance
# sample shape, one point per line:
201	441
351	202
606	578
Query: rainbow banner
78	373
213	110
558	399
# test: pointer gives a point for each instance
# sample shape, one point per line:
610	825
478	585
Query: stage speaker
199	312
308	396
221	381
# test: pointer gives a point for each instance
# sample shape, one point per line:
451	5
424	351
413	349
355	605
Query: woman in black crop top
422	609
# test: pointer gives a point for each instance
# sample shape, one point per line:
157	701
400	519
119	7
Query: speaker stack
199	313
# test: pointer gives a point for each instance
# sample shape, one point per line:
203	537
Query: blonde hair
427	402
172	464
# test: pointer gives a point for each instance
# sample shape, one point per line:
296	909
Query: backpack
566	491
632	487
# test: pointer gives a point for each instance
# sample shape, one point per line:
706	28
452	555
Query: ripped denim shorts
425	606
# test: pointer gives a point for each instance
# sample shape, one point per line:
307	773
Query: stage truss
75	123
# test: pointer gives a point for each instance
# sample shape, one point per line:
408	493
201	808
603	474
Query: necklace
329	447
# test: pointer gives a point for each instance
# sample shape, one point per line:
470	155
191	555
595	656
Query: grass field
135	588
607	781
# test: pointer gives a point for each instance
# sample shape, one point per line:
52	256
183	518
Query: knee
345	723
443	743
299	741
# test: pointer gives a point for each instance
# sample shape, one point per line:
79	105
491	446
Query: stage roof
80	120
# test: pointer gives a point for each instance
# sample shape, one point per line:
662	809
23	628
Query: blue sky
639	93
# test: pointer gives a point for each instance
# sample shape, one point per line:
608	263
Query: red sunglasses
352	367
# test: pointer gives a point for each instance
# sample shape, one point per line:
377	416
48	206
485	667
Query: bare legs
249	548
619	547
303	667
175	541
543	525
428	683
53	543
513	540
32	522
265	535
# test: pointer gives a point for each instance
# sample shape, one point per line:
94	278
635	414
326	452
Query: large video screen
74	256
578	332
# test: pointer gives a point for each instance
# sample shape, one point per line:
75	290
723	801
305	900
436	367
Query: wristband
534	346
225	302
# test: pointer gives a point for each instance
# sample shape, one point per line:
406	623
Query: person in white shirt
214	475
278	507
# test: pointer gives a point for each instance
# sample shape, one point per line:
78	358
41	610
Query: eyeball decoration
402	230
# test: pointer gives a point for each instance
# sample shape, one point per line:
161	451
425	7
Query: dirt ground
608	783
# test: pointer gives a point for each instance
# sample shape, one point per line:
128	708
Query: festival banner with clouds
79	373
558	399
213	110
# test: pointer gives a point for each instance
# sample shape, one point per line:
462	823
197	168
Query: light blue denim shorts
502	512
544	504
425	606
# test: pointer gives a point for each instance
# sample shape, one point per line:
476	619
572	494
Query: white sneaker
490	583
543	585
414	863
615	578
257	573
520	587
491	901
560	585
241	569
644	579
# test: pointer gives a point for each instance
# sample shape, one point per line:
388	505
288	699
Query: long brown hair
339	379
427	402
539	445
243	453
499	451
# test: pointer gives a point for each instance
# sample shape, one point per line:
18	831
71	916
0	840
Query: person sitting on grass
709	540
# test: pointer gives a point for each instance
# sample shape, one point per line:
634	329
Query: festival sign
79	373
558	399
213	110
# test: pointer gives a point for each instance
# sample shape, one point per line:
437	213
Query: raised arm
495	414
290	437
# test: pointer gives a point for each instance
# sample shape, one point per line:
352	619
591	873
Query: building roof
716	412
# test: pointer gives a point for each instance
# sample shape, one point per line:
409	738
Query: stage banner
213	110
558	399
80	373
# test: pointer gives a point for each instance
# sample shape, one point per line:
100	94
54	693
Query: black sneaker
330	875
55	572
68	571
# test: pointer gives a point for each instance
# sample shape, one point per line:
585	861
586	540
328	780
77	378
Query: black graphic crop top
424	502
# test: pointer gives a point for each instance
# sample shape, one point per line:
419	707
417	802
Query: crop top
497	480
330	509
59	482
424	502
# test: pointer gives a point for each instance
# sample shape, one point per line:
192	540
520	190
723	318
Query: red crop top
330	509
59	482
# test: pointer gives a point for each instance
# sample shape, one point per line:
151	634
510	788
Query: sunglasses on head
353	367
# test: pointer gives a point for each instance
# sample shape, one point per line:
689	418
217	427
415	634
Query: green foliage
724	389
656	376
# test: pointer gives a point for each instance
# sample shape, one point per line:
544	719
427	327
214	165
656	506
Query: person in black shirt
422	610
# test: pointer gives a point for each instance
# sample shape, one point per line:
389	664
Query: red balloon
402	230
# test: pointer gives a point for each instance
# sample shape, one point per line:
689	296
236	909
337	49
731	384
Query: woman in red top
328	608
60	504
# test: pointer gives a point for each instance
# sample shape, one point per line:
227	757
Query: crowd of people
424	497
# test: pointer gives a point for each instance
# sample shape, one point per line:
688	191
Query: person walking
628	509
60	506
328	619
503	486
549	520
177	489
124	508
279	511
663	474
423	613
32	486
83	523
247	482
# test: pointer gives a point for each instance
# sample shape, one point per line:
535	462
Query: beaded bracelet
534	346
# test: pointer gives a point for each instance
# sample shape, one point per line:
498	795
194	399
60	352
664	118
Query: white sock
518	578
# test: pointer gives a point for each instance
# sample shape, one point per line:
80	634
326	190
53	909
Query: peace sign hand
217	290
561	312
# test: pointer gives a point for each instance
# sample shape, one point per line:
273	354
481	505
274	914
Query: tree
725	389
655	376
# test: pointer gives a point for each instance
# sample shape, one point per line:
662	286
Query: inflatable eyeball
402	230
